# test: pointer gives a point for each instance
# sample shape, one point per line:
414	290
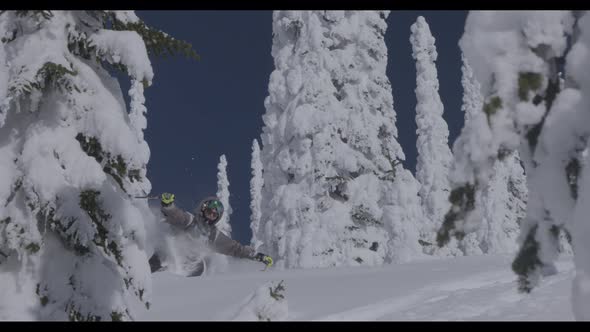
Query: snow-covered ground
462	288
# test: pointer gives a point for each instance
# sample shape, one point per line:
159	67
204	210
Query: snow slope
460	288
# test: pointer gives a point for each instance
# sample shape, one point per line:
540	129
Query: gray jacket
216	240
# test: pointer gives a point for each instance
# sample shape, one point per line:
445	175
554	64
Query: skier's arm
174	215
223	244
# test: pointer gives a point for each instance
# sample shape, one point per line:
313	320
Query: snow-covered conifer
434	155
330	151
503	199
72	158
472	103
267	304
256	183
517	57
504	202
223	195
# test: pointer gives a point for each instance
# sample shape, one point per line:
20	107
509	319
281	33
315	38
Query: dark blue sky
199	110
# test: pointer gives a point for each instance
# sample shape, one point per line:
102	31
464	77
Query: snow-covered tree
223	195
517	57
472	98
217	262
503	199
434	155
333	180
4	70
72	158
267	304
518	191
504	202
256	184
472	103
577	171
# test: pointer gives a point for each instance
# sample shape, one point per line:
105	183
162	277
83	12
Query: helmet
211	210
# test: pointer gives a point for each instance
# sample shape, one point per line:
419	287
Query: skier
201	226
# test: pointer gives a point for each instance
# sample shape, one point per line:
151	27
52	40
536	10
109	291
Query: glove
263	258
167	199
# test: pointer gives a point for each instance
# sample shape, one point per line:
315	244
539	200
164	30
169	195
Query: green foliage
119	166
69	240
71	282
19	232
127	282
277	292
443	236
514	192
374	246
550	94
91	146
527	261
553	89
572	171
554	230
60	76
359	243
325	252
533	134
46	215
80	46
262	318
46	14
528	81
390	174
76	316
116	316
424	243
463	196
337	188
44	299
134	175
362	216
10	38
116	166
157	42
49	75
462	202
52	72
568	236
33	247
89	202
385	135
492	106
503	153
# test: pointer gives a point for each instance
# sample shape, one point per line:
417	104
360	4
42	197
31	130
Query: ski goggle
212	208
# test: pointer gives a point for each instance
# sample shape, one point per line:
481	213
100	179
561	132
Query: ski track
486	296
467	288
